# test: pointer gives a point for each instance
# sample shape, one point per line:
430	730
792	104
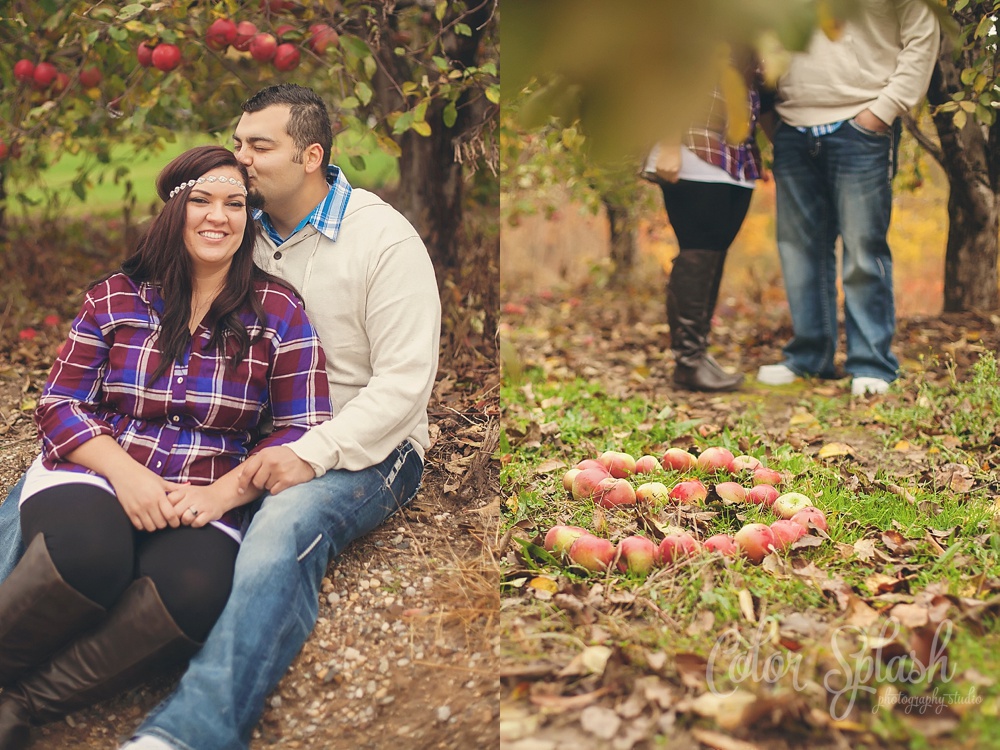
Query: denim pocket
871	133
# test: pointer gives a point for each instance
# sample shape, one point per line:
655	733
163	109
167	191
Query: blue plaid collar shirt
326	217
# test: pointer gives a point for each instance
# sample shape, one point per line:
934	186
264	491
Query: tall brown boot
691	295
39	613
138	639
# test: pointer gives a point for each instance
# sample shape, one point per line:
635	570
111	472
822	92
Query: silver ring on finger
194	513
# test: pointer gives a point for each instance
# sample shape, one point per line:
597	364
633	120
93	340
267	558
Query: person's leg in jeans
274	601
807	233
11	544
861	176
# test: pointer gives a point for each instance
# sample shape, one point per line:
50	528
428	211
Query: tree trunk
970	264
970	156
622	237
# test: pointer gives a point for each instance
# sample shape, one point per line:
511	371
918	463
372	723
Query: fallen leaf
547	467
835	450
880	583
805	420
592	660
864	549
956	477
897	543
720	741
543	583
601	722
563	703
727	710
692	668
746	605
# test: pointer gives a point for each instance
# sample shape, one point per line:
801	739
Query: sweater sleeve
64	415
402	323
919	38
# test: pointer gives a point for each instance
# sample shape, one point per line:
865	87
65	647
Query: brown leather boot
39	613
691	296
138	639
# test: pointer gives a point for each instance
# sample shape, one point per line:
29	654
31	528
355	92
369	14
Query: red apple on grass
690	491
755	540
592	552
636	554
714	458
744	463
262	47
592	463
586	482
675	547
787	505
646	464
24	71
678	459
652	493
764	475
567	480
811	516
762	494
785	532
721	543
560	538
618	464
612	492
166	57
732	492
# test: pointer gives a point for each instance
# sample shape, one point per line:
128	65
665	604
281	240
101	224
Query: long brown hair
160	259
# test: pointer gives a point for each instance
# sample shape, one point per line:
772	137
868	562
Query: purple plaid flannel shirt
199	419
707	139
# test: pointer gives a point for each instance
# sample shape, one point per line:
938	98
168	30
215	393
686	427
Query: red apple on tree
220	34
45	73
262	47
322	37
245	32
61	83
166	57
144	53
286	57
24	71
90	76
4	150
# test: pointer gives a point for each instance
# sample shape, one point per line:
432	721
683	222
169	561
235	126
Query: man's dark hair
308	121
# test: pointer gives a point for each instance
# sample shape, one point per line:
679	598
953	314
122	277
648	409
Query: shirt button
180	380
277	255
159	464
176	419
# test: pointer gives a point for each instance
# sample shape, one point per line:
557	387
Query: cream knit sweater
373	299
882	62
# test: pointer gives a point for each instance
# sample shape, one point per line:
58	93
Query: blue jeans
274	601
839	184
11	544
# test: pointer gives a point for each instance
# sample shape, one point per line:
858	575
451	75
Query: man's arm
920	38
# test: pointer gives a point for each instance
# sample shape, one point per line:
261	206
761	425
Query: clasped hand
274	469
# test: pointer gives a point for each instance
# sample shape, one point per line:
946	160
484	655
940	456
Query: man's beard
255	199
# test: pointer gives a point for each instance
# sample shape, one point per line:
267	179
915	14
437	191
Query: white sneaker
864	386
146	742
775	375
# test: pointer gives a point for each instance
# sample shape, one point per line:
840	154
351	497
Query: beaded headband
202	180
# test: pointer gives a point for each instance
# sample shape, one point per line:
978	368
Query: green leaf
985	26
985	115
449	115
440	8
363	91
129	11
968	76
349	102
463	29
959	120
421	128
493	93
358	162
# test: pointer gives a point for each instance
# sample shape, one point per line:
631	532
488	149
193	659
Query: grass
951	546
106	192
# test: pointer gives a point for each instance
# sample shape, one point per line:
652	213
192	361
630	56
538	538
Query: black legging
705	215
98	552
